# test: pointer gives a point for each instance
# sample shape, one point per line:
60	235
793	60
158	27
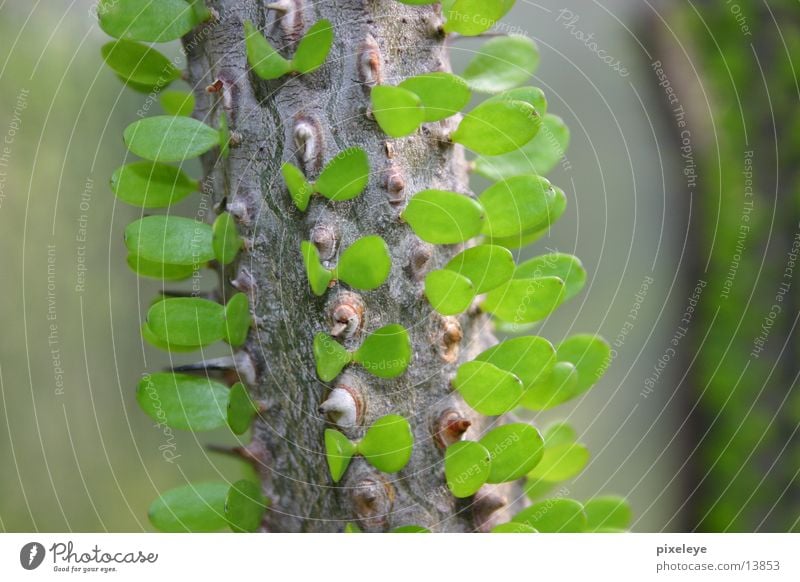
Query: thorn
280	6
172	293
253	453
324	238
370	63
395	185
244	281
235	139
215	87
308	140
372	502
241	363
450	340
421	254
344	406
346	314
450	427
290	17
240	210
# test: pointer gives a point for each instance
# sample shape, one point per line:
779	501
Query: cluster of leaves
171	248
363	265
385	353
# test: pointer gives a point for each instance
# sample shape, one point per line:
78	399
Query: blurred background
682	179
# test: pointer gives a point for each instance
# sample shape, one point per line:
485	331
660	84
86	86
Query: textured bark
334	101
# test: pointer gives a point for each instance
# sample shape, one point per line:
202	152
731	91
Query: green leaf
187	321
146	20
182	401
197	507
442	217
339	450
559	433
525	300
517	205
350	527
502	63
331	357
566	267
151	185
365	264
263	58
318	276
561	462
442	94
162	344
537	489
555	388
590	354
138	63
513	527
386	352
313	48
241	409
538	156
299	188
472	17
498	127
556	207
345	176
448	292
237	319
410	529
225	239
177	102
161	271
608	512
245	506
515	449
165	138
532	95
173	240
399	112
486	266
488	389
466	467
388	443
554	516
528	358
224	135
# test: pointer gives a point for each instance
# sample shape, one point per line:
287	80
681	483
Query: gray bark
288	438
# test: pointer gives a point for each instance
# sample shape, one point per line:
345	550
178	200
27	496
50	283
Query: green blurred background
77	454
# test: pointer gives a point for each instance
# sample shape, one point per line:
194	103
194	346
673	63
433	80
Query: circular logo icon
31	555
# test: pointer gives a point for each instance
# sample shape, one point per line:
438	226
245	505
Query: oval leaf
225	239
244	506
472	17
318	276
146	20
486	266
525	300
241	409
502	63
488	389
399	112
365	264
388	443
330	356
386	352
566	267
590	354
515	449
237	319
448	292
345	176
138	63
187	321
466	467
177	102
528	358
517	205
161	271
151	185
442	217
173	240
555	388
263	58
313	48
182	401
608	512
197	507
561	462
165	138
498	127
554	516
442	94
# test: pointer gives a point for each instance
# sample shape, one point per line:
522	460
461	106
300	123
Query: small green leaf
399	112
151	185
532	95
554	516
502	63
241	409
590	354
345	176
517	205
162	344
556	207
138	63
498	127
331	357
561	462
339	450
472	17
488	389
513	527
556	387
410	529
244	506
350	527
165	138
237	319
386	352
173	240
486	266
466	467
318	276
187	321
566	267
442	94
161	271
299	188
177	102
559	433
224	135
388	443
263	58
528	358
525	300
146	20
225	239
537	489
448	292
515	449
313	48
182	401
365	264
197	507
442	217
538	156
608	512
